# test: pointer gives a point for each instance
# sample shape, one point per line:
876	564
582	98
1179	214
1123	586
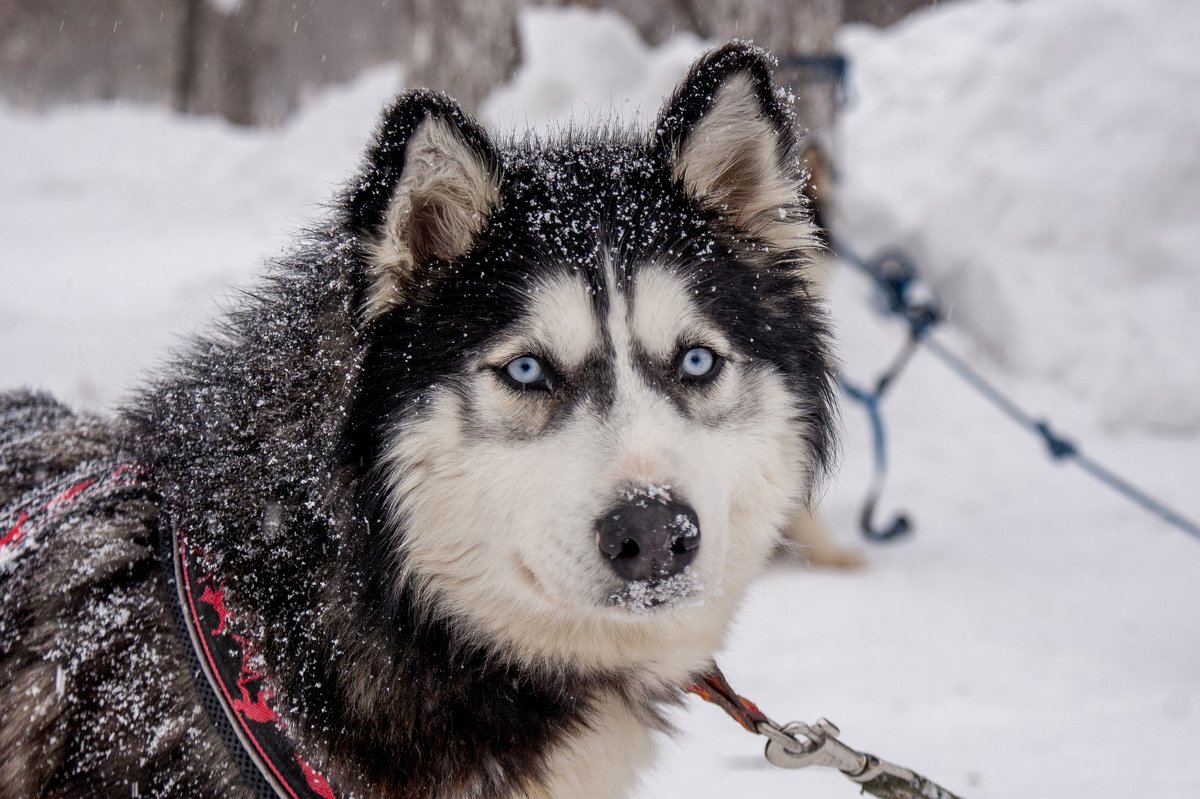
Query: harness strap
252	774
22	522
236	691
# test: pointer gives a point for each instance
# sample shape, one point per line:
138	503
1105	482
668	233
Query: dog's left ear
727	137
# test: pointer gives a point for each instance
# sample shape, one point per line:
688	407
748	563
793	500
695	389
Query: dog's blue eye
698	363
526	371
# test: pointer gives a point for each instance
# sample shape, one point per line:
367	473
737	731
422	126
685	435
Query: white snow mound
1041	162
122	223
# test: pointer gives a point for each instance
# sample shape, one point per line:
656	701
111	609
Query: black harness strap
238	694
252	774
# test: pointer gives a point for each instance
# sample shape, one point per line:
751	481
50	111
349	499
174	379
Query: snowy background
1038	636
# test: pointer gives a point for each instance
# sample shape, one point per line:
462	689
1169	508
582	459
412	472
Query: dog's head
597	381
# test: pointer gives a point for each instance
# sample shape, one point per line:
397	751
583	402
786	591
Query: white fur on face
560	322
500	509
664	314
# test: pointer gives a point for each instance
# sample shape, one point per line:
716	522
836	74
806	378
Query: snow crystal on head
642	597
578	189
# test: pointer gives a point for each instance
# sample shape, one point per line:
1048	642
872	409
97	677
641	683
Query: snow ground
1035	638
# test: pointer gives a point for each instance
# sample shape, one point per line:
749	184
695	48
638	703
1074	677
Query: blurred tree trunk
466	47
64	50
189	41
253	61
237	48
883	12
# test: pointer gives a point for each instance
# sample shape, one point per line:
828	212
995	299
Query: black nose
649	538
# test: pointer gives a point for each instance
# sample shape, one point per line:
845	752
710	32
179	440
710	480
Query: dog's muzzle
649	537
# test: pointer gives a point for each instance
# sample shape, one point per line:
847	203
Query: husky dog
485	467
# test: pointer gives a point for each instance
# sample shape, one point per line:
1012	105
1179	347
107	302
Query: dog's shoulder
88	660
71	508
41	439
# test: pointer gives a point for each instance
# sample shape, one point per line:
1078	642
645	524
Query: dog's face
597	382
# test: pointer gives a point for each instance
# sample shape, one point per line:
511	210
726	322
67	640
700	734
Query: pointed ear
431	181
727	136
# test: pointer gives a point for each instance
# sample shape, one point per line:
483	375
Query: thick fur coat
397	449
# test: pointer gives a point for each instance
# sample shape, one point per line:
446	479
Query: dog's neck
422	695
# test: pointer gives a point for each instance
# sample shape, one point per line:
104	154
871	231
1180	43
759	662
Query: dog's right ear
432	179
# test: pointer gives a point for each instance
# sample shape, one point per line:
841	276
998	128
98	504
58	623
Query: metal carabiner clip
820	747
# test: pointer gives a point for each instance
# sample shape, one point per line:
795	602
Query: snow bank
121	224
1041	161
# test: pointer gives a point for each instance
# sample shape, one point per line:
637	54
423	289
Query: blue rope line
1119	484
899	524
894	275
1059	447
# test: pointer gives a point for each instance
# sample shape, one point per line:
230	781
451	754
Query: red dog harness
237	681
234	687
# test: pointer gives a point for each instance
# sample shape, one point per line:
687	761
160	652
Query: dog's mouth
641	597
635	597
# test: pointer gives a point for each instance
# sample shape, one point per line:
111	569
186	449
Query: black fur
262	438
